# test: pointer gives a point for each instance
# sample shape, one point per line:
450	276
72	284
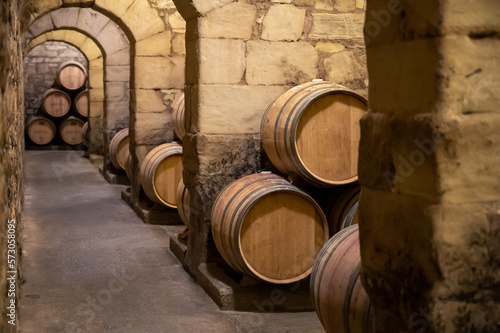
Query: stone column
241	55
429	166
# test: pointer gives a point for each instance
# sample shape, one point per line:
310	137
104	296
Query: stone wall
40	69
11	141
241	55
429	166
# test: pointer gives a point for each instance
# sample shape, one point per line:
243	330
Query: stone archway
96	78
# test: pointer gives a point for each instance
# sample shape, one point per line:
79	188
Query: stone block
117	92
148	100
234	109
392	65
76	38
473	75
159	72
153	128
468	154
117	8
465	17
96	109
90	49
307	3
117	115
177	23
96	80
41	25
325	4
345	6
91	21
235	20
179	44
118	73
142	20
337	26
329	47
97	63
156	45
343	67
118	58
96	95
37	41
283	22
221	60
280	63
361	4
65	17
282	1
112	38
58	35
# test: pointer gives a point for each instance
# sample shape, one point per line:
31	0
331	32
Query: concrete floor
89	264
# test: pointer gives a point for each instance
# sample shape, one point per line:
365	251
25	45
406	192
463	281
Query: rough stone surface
142	20
156	45
337	26
65	18
159	72
343	67
280	63
231	21
222	60
113	39
149	100
430	198
329	47
11	154
345	6
88	20
284	22
117	73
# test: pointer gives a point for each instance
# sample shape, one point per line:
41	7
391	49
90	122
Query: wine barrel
342	304
118	147
312	131
341	208
128	164
71	75
56	103
82	103
267	228
182	201
85	134
178	118
40	130
160	173
70	130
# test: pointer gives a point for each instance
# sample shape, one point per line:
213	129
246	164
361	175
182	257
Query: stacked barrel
160	174
63	110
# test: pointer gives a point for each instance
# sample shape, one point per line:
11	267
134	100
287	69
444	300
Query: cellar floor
89	264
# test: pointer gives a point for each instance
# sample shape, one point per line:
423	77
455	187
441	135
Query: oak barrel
40	130
160	173
339	298
70	130
128	164
82	103
118	147
56	103
312	131
183	200
267	228
178	118
85	134
341	208
71	75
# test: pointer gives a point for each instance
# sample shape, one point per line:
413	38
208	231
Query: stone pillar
241	55
429	166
